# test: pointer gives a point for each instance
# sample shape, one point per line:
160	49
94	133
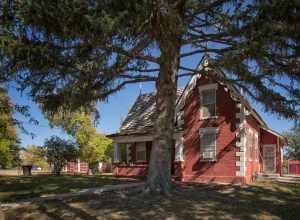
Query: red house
219	137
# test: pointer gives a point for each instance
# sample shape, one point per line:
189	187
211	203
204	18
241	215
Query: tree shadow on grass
188	201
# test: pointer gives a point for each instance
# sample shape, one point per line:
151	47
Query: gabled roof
203	69
142	114
141	117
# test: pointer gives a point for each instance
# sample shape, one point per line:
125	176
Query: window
122	153
256	148
208	100
208	143
250	142
141	152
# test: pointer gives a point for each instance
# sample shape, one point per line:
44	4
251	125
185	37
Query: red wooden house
219	137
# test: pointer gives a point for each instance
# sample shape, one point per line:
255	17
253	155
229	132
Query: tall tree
9	149
74	52
58	152
93	146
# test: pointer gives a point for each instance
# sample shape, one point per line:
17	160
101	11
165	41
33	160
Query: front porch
132	155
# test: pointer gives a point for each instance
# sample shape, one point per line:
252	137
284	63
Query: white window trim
209	130
203	88
144	143
179	149
248	146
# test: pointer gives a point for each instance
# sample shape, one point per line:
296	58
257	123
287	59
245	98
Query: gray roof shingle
142	114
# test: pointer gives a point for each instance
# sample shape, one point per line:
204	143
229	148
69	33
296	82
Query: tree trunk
159	175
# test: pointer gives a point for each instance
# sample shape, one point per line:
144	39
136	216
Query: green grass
21	187
260	200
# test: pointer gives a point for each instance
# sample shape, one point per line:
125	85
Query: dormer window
208	101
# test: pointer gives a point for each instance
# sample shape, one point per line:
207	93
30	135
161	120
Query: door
269	155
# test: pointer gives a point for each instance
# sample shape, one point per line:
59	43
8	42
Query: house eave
138	137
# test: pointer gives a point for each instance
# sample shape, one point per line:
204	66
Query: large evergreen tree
76	52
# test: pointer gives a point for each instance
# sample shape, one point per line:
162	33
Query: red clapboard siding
294	167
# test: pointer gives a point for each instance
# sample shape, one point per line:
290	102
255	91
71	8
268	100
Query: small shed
294	167
26	170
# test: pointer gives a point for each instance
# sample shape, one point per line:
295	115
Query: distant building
81	167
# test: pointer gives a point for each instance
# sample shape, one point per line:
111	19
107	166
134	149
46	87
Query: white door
269	155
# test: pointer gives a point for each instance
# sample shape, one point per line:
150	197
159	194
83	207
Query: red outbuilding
294	167
219	136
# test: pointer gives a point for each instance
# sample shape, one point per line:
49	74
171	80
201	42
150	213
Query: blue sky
113	112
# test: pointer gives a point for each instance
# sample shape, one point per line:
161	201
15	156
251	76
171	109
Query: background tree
93	147
34	155
58	152
9	148
293	146
74	53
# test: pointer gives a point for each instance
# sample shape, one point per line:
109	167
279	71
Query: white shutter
179	149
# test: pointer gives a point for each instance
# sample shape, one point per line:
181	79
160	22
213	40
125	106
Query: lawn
261	200
21	187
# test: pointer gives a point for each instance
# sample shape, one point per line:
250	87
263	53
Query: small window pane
208	140
208	96
140	152
208	110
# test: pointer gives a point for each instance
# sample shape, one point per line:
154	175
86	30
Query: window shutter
179	149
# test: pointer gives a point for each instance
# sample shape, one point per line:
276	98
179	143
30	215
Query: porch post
116	152
128	158
179	149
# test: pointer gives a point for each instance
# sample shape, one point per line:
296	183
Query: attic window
208	101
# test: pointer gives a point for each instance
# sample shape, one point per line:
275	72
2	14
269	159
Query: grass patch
21	187
261	200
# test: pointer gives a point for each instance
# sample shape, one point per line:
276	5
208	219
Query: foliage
293	146
82	51
94	147
58	151
75	53
34	155
9	150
